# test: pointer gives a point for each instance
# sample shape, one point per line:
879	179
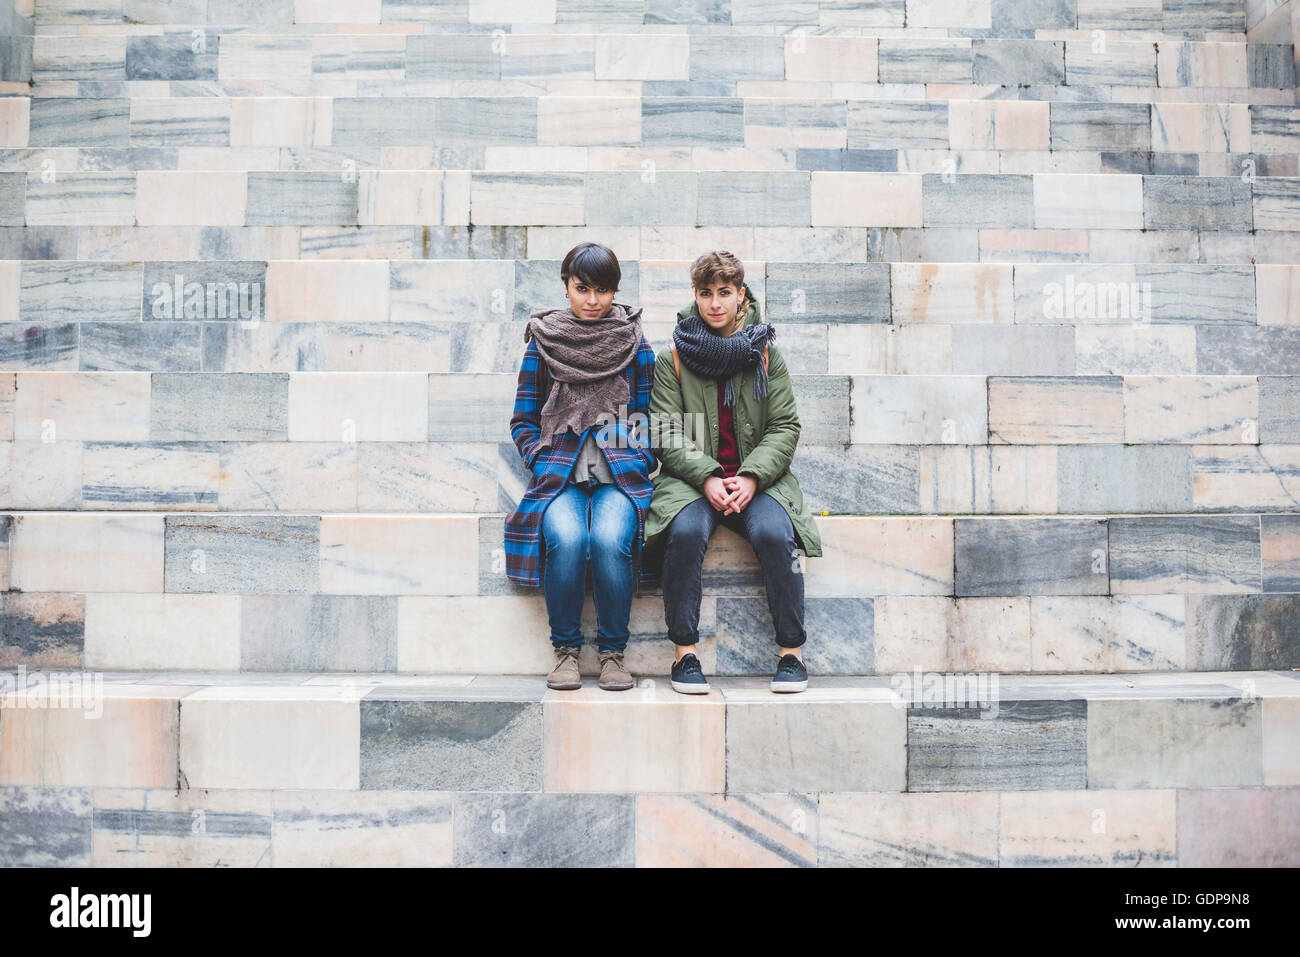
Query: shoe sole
683	688
627	687
789	687
566	686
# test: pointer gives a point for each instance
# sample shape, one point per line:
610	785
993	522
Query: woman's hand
715	492
740	491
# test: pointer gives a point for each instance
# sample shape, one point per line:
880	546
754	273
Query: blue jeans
596	524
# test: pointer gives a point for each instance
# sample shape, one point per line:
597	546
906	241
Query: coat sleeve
680	456
770	458
645	375
525	423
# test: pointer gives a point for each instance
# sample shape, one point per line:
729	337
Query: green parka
767	432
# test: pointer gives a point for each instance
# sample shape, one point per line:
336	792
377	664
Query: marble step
388	827
1015	17
374	592
871	127
267	63
1117	203
467	316
910	733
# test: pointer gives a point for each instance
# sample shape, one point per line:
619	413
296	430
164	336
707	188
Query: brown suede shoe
613	676
565	676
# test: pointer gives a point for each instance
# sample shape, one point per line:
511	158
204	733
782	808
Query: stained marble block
171	58
77	198
1191	409
24	346
938	60
829	740
1274	128
918	410
16	59
182	828
1026	745
1121	63
301	198
317	633
1101	126
528	199
1022	556
1103	634
328	291
45	827
860	480
897	124
269	736
537	830
1124	478
1197	202
1087	201
1264	831
839	635
1280	552
361	829
1192	293
358	407
643	56
243	554
1242	632
668	198
1268	476
734	830
978	200
828	292
417	741
397	555
1276	203
71	552
156	632
844	59
212	291
1065	410
79	121
908	830
42	630
778	198
287	476
709	121
866	199
1089	828
1207	742
219	407
1019	62
666	742
92	734
1213	554
52	292
989	479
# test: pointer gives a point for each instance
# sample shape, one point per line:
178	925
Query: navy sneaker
791	675
688	677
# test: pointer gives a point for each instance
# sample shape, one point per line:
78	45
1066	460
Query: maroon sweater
728	447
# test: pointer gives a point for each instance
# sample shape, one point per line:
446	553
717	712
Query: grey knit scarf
585	358
712	356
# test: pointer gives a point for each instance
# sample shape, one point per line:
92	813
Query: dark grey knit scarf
712	356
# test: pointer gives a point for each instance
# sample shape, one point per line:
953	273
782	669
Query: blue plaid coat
630	461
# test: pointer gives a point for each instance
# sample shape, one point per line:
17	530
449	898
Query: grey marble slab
300	199
76	121
1185	553
171	58
1124	478
1026	745
45	827
897	124
859	480
545	830
1018	62
242	554
1050	556
626	198
1192	202
1239	632
1279	408
984	200
219	406
451	745
828	292
1100	126
712	121
840	636
318	633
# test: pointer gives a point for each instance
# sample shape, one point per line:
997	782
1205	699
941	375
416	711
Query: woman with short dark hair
587	369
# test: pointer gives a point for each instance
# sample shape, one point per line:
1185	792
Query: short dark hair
592	263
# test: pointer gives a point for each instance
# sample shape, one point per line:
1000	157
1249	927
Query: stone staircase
264	269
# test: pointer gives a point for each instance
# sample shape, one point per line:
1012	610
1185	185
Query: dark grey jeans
765	524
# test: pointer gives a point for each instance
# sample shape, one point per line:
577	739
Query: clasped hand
730	494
